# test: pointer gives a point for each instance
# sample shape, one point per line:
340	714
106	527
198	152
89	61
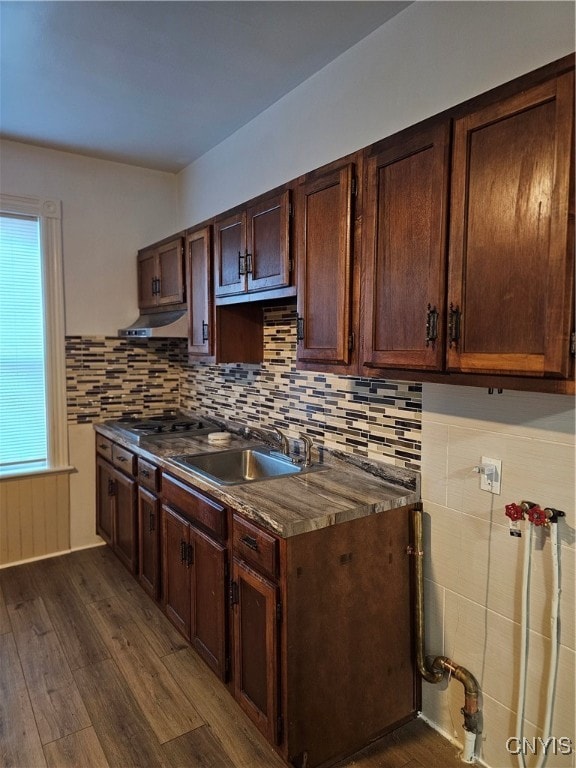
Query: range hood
158	325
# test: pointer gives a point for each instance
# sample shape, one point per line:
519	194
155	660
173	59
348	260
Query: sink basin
240	465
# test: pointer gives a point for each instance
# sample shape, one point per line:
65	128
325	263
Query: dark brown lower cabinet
176	570
194	587
149	541
322	634
116	519
256	615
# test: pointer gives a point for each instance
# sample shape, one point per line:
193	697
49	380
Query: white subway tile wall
473	565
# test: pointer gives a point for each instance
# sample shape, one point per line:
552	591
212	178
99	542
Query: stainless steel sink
241	465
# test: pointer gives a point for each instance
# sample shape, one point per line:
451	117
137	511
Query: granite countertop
347	486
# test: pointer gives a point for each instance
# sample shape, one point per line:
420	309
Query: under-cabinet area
306	616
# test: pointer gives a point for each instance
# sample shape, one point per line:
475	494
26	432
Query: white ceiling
158	84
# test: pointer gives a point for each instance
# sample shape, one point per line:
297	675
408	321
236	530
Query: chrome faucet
272	434
307	449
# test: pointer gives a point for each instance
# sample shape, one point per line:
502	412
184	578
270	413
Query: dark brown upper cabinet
510	290
161	274
252	251
404	250
199	292
324	237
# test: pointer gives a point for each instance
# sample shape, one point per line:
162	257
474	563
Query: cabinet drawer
104	447
197	508
123	459
255	546
148	475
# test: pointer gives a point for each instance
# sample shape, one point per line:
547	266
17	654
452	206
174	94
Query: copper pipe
433	668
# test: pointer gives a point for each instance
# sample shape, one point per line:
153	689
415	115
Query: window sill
22	474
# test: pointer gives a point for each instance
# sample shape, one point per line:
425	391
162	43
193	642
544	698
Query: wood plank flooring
93	675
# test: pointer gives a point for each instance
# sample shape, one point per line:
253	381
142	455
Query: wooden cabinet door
510	287
125	530
104	500
208	630
176	562
324	220
268	245
199	278
405	251
230	255
149	541
147	279
256	671
170	288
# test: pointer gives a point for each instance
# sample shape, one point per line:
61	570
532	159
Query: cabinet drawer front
104	446
123	459
148	475
255	546
197	508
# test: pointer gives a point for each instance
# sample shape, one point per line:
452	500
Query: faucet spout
307	449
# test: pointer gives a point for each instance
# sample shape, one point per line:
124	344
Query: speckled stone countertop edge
366	487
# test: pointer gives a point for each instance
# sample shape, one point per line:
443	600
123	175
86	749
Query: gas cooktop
163	425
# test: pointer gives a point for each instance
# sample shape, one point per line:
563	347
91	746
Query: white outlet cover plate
485	484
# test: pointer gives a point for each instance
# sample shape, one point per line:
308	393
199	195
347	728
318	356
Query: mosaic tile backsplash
373	418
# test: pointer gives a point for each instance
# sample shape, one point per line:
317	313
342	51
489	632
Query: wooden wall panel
34	517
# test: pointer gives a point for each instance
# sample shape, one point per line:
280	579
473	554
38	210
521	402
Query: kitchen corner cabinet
511	264
404	250
325	227
116	517
161	274
322	633
195	570
252	251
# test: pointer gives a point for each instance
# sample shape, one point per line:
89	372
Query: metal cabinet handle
248	261
183	552
251	542
431	325
453	326
204	332
145	473
299	328
241	264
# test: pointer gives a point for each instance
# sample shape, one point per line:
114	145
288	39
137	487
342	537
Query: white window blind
23	404
33	434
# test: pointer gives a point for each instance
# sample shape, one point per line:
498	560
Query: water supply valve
537	515
514	511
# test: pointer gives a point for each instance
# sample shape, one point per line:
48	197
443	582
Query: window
32	372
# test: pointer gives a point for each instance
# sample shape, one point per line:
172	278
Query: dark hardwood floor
92	674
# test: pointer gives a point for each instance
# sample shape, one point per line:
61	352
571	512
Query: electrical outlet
490	480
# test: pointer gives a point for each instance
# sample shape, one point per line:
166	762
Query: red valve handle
514	511
537	515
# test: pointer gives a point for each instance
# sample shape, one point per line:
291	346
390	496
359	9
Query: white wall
431	56
109	210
